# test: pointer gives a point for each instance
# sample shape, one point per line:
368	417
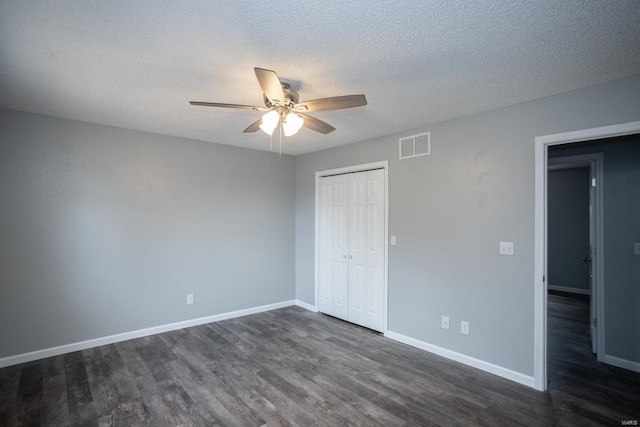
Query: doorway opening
574	245
575	235
543	143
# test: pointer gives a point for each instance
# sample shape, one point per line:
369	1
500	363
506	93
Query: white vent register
415	145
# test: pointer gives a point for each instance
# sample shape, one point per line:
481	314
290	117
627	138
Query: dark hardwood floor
295	367
587	387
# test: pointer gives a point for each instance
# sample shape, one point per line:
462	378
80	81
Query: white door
333	246
366	248
363	278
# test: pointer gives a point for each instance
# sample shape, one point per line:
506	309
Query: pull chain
280	153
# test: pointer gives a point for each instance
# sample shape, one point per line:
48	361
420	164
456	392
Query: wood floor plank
210	390
283	368
9	383
208	400
29	399
130	413
125	387
181	405
79	398
156	411
261	396
131	359
360	399
55	408
103	389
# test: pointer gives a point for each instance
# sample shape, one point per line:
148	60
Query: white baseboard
569	289
83	345
622	363
467	360
306	306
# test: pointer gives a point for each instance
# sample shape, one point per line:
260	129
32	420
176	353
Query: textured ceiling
136	64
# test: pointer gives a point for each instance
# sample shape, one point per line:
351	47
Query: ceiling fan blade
219	104
315	124
254	127
270	84
334	103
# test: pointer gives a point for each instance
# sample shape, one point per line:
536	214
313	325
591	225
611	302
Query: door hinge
594	322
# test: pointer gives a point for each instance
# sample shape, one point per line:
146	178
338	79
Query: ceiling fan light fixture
270	122
281	105
292	124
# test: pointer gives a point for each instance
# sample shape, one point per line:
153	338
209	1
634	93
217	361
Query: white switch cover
464	327
189	298
393	240
506	248
445	322
636	248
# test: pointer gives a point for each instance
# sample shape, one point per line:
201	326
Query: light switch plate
506	248
636	248
393	240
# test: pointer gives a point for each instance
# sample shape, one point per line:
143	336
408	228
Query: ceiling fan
282	106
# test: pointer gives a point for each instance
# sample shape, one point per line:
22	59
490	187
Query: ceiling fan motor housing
290	97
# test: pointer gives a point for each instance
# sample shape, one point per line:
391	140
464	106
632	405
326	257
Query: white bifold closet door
351	247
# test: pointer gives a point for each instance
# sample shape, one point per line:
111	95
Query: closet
351	247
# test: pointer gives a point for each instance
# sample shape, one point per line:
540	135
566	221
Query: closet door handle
350	256
344	256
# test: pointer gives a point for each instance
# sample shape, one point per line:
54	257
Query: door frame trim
351	169
540	286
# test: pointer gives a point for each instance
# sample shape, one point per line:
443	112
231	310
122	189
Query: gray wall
568	228
621	230
105	230
452	208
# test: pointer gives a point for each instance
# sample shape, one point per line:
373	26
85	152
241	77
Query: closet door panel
333	247
374	251
358	229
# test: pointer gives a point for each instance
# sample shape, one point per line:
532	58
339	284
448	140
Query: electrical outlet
506	248
464	327
636	248
189	298
445	322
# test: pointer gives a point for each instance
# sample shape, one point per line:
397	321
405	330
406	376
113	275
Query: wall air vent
415	145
